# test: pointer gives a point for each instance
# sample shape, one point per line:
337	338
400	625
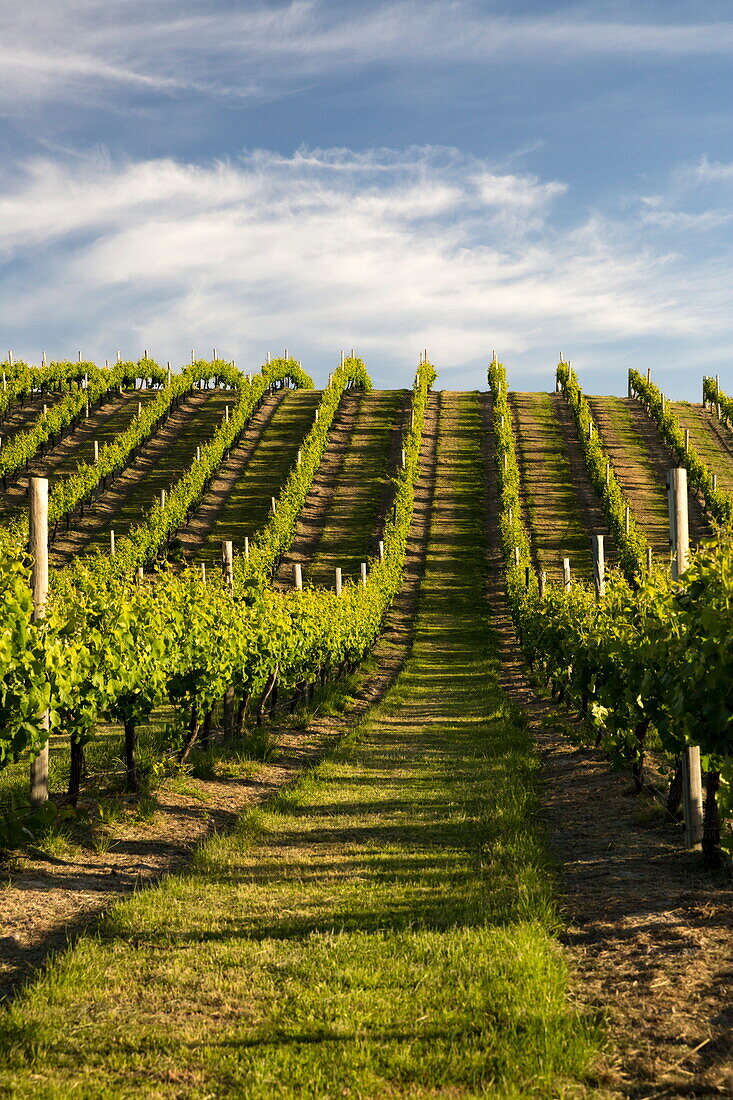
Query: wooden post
363	570
226	414
680	534
298	575
608	474
687	441
648	374
95	444
112	547
246	547
599	566
403	461
338	580
691	771
627	519
630	389
299	459
139	409
566	578
527	577
198	454
227	562
381	551
162	498
542	583
715	482
140	574
516	556
648	559
203	571
38	546
273	505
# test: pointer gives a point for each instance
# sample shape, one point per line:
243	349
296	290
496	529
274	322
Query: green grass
57	468
349	531
383	928
552	512
170	465
247	507
705	441
640	460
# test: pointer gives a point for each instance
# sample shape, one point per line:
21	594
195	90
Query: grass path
384	928
712	440
556	518
353	522
641	460
246	507
160	462
104	423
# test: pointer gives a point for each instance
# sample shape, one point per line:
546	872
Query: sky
463	176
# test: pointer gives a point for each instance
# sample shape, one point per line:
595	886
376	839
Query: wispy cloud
62	48
386	251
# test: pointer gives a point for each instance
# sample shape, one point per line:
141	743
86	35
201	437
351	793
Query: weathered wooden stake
227	562
246	547
162	498
363	569
715	482
648	374
203	571
649	559
599	566
298	575
38	546
542	582
273	505
338	580
627	519
112	548
691	771
687	441
566	578
516	556
381	551
403	460
198	453
527	577
95	444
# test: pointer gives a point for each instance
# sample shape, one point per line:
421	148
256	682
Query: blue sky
530	177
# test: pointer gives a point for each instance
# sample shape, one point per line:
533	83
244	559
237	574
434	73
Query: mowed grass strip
712	440
247	507
349	533
552	511
640	460
383	928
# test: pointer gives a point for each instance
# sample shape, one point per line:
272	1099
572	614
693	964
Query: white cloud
385	251
56	49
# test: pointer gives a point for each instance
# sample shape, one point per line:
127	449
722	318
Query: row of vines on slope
655	654
144	542
718	503
94	387
619	514
111	649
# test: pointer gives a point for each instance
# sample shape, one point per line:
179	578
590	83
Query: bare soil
47	902
649	935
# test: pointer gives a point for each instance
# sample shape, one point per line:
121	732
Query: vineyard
363	742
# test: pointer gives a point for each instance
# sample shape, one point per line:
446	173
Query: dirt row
650	937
